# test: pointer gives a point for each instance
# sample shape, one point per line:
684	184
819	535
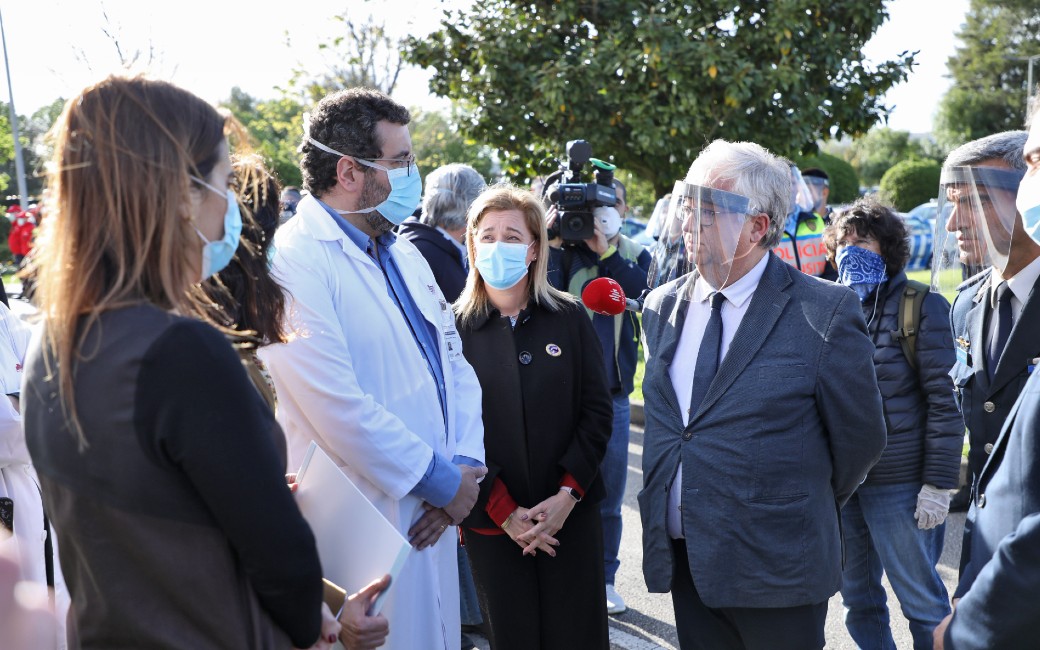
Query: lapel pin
553	350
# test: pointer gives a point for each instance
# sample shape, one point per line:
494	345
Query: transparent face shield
816	186
801	197
974	222
701	229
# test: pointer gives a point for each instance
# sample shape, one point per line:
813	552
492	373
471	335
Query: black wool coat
547	410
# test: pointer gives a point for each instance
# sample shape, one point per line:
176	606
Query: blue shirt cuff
466	460
440	482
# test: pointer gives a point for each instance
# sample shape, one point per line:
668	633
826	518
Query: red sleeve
571	482
500	503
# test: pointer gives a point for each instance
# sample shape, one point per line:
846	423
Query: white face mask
609	219
1028	204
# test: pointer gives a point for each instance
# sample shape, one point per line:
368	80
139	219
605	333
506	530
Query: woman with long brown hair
156	456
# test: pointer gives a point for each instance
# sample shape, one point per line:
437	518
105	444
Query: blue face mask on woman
501	265
405	188
217	254
861	270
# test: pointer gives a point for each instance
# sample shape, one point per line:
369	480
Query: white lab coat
354	381
18	480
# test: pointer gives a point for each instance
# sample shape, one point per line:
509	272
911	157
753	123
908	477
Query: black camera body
575	200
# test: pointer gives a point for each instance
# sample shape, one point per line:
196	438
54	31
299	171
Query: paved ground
649	623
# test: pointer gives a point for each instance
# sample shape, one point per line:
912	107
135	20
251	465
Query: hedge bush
844	183
910	183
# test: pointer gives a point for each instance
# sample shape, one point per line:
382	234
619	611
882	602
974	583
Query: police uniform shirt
1021	285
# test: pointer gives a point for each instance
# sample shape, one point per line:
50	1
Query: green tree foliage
276	128
32	132
650	83
6	149
437	142
989	74
910	183
640	195
844	183
877	151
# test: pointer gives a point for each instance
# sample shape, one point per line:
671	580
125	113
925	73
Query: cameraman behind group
608	253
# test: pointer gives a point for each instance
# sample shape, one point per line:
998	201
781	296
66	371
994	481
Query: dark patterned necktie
999	328
708	355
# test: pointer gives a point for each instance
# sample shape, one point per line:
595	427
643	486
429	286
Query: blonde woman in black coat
534	537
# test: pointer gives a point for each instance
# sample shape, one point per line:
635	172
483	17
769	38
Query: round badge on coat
553	350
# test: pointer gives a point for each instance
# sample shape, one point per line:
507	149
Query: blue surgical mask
217	254
1028	203
501	265
270	255
405	188
861	270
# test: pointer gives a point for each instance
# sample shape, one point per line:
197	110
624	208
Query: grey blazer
788	429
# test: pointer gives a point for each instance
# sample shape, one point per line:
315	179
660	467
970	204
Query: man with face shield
801	245
819	183
995	316
995	603
751	444
609	254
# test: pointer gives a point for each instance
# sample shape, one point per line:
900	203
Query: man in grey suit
763	415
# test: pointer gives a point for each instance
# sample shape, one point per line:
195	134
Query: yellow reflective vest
805	251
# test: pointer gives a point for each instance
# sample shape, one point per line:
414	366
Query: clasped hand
534	529
431	525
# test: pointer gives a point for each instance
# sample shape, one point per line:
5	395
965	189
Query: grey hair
1006	146
752	171
450	190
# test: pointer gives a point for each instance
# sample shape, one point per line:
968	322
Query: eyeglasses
707	216
395	163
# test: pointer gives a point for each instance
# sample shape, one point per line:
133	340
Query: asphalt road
649	623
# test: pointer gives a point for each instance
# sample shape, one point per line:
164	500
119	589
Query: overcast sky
209	46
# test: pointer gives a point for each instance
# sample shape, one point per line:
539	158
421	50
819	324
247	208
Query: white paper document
356	543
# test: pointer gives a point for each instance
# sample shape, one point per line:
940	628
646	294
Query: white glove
933	505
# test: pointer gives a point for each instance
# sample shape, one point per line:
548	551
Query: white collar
447	235
737	293
1022	282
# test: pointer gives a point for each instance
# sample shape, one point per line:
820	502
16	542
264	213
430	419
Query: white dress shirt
737	298
1021	285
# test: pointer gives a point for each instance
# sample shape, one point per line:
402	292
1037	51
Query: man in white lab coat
374	372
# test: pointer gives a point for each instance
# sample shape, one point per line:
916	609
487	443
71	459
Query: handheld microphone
605	296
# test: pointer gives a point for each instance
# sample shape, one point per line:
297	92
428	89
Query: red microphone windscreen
604	296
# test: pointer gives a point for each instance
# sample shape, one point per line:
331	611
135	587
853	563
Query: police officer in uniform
801	244
996	314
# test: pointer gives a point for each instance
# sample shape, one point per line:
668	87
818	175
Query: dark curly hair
346	121
868	217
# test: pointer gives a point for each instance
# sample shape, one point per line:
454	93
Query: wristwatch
571	491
